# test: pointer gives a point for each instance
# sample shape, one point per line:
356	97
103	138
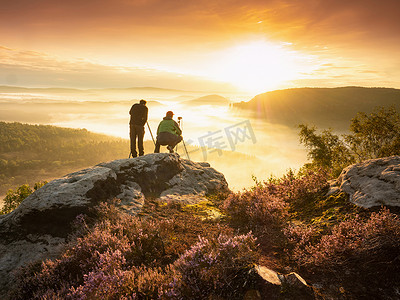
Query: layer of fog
233	142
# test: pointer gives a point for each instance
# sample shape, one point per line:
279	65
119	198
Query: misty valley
210	125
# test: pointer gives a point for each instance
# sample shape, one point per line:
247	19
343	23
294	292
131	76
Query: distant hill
323	107
209	100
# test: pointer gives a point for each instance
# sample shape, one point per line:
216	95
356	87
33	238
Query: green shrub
14	198
371	136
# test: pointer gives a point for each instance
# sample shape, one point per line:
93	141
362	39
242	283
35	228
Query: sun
259	66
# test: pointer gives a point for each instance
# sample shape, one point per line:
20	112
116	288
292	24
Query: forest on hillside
30	153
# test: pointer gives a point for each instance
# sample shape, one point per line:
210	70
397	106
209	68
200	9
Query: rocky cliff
38	228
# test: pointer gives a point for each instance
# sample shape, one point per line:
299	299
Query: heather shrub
107	250
119	256
180	226
103	281
268	208
300	187
216	267
344	259
256	208
299	236
150	283
352	238
109	280
267	203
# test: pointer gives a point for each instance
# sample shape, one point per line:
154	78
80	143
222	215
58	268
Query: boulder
274	285
38	228
373	182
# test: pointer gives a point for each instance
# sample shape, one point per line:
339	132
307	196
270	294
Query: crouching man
168	133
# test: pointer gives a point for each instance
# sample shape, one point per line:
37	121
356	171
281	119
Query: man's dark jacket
138	114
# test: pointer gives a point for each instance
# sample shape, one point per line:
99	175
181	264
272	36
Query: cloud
369	72
280	18
33	68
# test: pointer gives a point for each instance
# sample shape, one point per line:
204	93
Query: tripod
180	123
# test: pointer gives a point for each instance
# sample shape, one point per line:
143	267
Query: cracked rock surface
373	182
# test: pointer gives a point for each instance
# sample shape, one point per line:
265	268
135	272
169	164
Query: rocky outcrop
38	228
373	182
274	285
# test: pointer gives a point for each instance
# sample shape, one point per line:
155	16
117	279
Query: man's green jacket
169	125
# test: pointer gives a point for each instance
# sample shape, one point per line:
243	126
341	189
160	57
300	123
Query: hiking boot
171	149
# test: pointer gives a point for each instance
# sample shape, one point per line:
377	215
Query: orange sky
204	45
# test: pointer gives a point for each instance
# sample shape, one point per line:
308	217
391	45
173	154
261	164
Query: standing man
168	133
138	112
